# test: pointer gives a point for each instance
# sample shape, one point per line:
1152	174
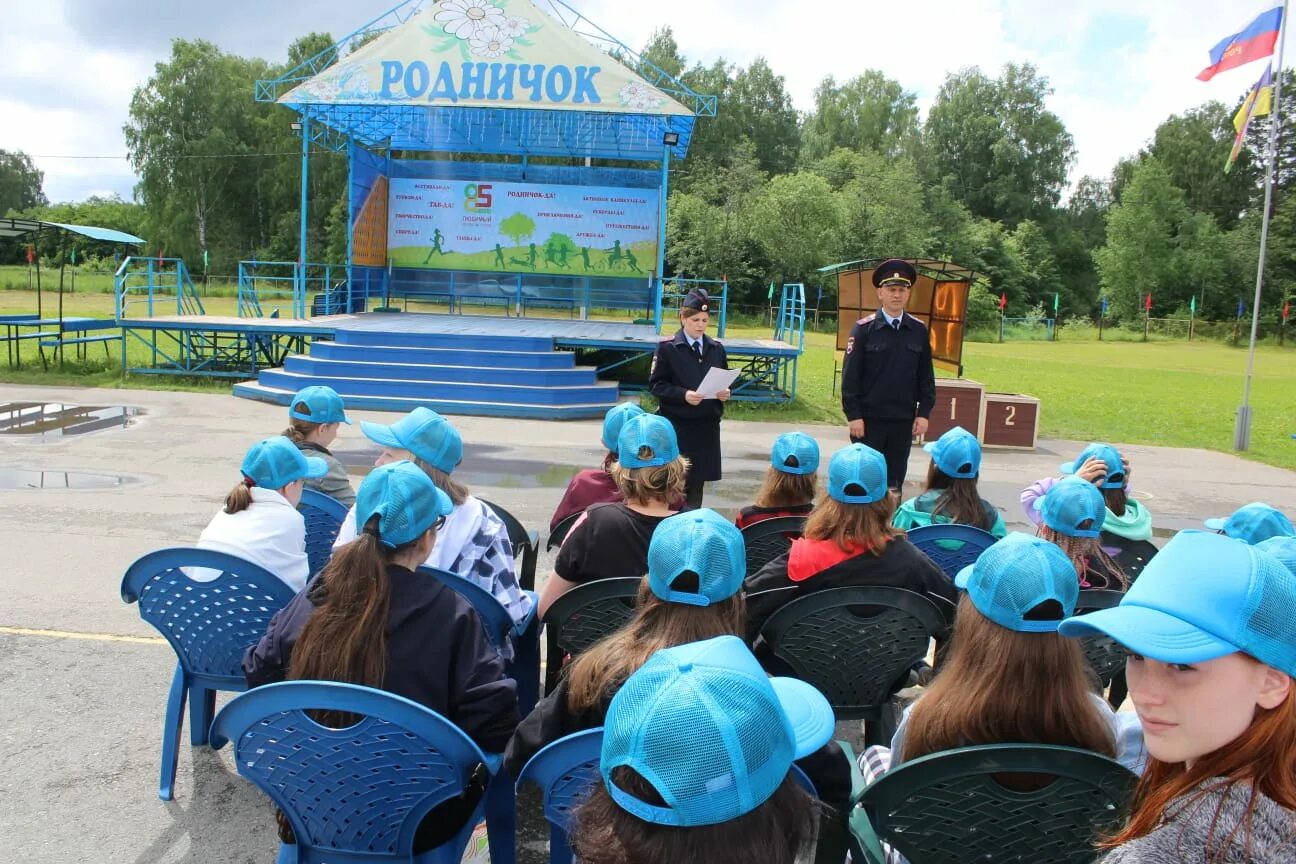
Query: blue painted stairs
452	373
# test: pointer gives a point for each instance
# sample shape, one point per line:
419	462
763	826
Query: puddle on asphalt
49	421
475	471
21	478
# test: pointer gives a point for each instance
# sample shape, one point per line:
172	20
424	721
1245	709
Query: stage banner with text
522	227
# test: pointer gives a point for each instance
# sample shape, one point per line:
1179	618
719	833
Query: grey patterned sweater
1197	827
335	484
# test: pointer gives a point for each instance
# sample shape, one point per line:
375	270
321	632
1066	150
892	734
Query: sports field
1180	394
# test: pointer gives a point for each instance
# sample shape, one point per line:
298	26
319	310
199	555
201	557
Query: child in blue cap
1072	515
595	485
951	495
848	540
369	619
791	481
260	521
315	416
1253	523
473	543
611	539
1208	625
698	747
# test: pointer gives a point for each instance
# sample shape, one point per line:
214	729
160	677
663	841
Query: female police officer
677	369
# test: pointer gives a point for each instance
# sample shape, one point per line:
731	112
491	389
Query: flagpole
1242	427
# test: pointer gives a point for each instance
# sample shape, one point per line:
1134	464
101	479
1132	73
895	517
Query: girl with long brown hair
848	540
596	485
315	416
951	494
1211	668
790	481
1071	516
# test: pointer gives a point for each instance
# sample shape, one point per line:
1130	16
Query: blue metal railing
673	290
159	285
790	328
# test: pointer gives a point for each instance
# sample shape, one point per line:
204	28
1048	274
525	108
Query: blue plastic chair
324	517
952	547
565	770
524	668
358	794
209	624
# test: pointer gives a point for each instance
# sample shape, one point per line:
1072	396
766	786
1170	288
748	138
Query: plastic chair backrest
1105	656
526	544
209	624
584	615
769	538
495	618
360	789
560	531
1131	555
324	517
951	807
854	643
951	547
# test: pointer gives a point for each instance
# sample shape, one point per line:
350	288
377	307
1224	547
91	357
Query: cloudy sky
1118	67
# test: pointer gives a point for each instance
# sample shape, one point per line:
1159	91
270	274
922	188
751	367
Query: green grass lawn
1171	393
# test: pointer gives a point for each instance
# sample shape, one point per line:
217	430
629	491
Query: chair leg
526	667
202	710
172	726
501	819
560	847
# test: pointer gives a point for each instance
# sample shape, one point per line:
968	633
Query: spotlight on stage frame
295	126
670	139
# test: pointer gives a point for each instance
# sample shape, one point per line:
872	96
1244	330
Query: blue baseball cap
1201	597
1071	502
423	432
795	453
1113	477
405	500
647	441
702	542
1282	548
1017	574
1254	522
704	726
276	462
957	453
614	419
318	404
857	475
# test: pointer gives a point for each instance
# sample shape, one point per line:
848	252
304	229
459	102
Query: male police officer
888	386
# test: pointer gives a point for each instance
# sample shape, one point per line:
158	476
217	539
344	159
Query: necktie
697	349
895	324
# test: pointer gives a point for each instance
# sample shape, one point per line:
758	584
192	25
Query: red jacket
589	486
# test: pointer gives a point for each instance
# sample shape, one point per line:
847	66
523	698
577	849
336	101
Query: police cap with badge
697	298
894	271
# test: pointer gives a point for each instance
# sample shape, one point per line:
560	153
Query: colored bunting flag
1104	307
204	259
1003	301
1286	310
1147	304
1255	40
1192	305
1241	310
1055	304
1257	103
31	254
771	291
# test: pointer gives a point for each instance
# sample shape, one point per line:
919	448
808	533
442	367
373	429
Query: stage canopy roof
941	271
22	227
490	76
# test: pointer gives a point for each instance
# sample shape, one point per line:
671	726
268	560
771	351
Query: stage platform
467	364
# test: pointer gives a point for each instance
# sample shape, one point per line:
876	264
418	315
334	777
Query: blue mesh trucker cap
857	475
709	732
1282	548
1201	597
423	432
615	418
322	404
276	462
1113	477
795	453
701	542
647	431
1017	574
957	453
405	499
1254	522
1069	503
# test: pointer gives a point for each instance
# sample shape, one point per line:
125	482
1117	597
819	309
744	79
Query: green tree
881	205
868	112
796	219
763	109
518	227
20	182
994	144
1193	147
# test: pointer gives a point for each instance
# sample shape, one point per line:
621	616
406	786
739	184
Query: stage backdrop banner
522	227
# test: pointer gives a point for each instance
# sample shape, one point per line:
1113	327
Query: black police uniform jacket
676	369
888	373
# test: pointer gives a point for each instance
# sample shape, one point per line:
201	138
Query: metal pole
305	174
1242	427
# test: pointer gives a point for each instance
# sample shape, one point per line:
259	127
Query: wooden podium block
959	402
1011	421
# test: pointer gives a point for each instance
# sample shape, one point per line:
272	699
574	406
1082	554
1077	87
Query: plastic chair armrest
493	761
521	627
857	776
864	843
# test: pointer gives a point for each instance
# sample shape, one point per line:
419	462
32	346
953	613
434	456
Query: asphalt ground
84	679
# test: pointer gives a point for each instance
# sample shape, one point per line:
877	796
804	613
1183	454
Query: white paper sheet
716	380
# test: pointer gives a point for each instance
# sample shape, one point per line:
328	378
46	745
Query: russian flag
1252	42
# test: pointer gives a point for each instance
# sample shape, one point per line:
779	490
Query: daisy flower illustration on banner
490	42
639	96
463	18
516	26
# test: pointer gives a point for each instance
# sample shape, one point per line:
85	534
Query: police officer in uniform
888	385
678	367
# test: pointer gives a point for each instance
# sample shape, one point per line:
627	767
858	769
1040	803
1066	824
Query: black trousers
693	488
891	438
